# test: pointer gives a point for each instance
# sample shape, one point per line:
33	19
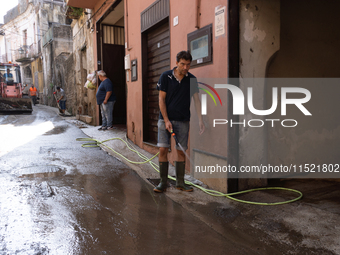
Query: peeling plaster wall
251	33
71	89
63	71
259	40
16	11
83	64
61	45
309	48
290	39
53	18
47	65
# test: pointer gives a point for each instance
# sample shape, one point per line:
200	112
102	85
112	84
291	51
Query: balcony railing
26	52
48	36
23	54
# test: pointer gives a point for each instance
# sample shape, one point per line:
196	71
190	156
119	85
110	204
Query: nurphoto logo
239	104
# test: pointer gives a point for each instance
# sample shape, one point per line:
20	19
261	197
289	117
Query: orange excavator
11	98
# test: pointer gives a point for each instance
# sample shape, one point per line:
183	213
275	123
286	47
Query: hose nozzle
174	136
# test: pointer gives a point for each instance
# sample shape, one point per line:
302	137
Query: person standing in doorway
33	94
176	88
61	100
106	99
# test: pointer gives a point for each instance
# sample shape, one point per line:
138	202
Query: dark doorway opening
111	52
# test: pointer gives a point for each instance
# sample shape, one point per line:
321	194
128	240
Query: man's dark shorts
62	105
180	128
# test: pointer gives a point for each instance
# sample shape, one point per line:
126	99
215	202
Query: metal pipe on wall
198	13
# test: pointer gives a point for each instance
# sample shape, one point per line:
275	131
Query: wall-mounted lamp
21	50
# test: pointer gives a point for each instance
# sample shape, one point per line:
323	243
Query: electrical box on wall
176	21
127	63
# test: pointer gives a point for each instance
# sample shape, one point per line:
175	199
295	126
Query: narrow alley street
234	98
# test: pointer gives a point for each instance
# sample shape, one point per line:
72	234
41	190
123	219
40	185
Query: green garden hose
96	143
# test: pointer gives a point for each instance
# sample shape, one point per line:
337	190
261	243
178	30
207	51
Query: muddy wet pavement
59	198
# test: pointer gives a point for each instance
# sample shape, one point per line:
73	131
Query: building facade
135	42
229	39
29	31
20	39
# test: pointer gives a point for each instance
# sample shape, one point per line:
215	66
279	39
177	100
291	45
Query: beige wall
83	60
290	39
309	48
259	40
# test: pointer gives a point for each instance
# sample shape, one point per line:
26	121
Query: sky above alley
6	5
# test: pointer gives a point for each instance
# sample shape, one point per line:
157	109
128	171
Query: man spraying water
175	92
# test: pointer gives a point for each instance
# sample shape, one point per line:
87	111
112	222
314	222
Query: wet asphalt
59	198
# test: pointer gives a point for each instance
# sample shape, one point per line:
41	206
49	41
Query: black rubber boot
180	171
163	172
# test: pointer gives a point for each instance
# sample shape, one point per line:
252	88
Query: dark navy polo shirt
104	87
178	94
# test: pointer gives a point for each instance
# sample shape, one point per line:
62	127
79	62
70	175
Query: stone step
85	118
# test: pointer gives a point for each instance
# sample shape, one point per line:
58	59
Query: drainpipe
198	13
127	26
52	73
233	72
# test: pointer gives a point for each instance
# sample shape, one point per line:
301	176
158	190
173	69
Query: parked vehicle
11	98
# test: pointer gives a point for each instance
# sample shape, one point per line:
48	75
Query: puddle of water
48	150
41	172
155	182
57	130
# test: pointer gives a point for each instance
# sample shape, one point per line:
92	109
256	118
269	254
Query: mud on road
59	198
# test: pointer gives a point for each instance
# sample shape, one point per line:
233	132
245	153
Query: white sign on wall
220	21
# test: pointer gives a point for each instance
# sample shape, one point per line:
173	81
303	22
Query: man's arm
162	107
107	96
198	111
61	95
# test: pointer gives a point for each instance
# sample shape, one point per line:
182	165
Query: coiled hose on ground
96	143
